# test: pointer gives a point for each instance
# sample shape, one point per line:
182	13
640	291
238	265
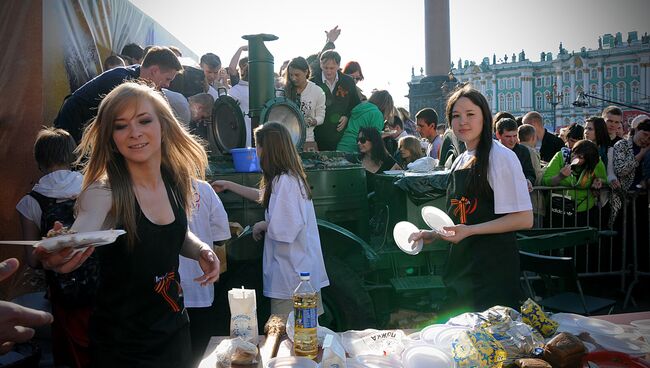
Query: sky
387	36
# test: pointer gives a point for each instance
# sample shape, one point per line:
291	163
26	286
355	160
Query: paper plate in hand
436	219
93	238
401	233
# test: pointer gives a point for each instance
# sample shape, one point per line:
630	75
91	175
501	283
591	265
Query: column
436	37
644	80
494	92
600	79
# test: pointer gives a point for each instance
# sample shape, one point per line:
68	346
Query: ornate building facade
617	71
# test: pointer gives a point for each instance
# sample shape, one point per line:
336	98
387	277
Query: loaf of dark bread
564	351
532	363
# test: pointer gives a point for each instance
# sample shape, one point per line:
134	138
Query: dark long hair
278	156
289	89
600	131
589	152
478	182
378	153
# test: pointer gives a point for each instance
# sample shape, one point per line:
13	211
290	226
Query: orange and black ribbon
463	207
162	287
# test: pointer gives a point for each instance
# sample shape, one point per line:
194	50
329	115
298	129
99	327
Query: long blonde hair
183	158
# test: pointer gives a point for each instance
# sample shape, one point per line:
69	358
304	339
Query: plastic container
305	308
245	159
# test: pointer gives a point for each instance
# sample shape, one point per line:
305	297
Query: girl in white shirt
291	240
308	96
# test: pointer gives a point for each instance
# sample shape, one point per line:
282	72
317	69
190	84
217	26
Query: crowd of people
122	155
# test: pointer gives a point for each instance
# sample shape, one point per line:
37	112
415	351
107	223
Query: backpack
77	288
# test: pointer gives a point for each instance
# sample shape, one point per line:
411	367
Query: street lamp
554	99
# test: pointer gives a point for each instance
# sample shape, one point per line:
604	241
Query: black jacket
551	144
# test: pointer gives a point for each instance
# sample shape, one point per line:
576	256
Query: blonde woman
138	177
410	150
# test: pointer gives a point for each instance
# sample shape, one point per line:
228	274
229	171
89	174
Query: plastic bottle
305	307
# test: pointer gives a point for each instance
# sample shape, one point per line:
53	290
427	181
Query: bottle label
306	317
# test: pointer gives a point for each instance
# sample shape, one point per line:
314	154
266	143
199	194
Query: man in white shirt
210	223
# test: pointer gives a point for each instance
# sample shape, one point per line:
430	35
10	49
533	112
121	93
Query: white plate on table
641	324
379	361
77	240
426	356
599	326
442	336
401	233
296	362
436	219
614	343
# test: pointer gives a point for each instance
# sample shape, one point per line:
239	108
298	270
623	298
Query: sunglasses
357	79
362	140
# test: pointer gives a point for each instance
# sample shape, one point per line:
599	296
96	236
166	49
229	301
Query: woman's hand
459	232
615	184
259	229
211	267
565	171
63	260
220	186
424	235
597	184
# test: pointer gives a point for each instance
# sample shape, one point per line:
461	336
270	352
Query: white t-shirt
61	184
312	104
179	104
506	178
209	223
291	243
240	93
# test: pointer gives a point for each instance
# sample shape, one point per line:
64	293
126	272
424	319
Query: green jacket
365	114
578	180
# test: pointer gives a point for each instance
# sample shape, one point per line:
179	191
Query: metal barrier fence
566	207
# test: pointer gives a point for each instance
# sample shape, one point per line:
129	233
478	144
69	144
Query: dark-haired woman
373	155
308	96
487	197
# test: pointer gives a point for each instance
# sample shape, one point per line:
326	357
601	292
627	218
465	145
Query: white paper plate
354	363
641	324
598	326
93	238
378	361
436	219
394	172
612	343
401	233
441	336
297	362
426	356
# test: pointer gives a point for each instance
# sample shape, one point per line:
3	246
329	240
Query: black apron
482	270
140	319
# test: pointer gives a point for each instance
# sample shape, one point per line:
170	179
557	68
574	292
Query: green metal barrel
260	74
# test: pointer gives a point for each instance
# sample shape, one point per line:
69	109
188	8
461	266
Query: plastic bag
424	164
243	314
533	315
373	342
333	353
236	351
477	348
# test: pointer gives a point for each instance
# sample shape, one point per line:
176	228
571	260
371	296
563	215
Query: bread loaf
532	363
564	351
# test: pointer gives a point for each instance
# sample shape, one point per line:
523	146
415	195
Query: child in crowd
53	198
209	222
291	240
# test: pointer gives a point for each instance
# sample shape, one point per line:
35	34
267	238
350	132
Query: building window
594	74
538	82
489	99
539	101
621	72
508	102
517	83
566	97
635	70
635	92
620	92
517	101
509	83
608	73
501	104
608	91
579	75
567	77
500	83
547	82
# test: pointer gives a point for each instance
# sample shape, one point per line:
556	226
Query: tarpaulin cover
49	49
424	188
